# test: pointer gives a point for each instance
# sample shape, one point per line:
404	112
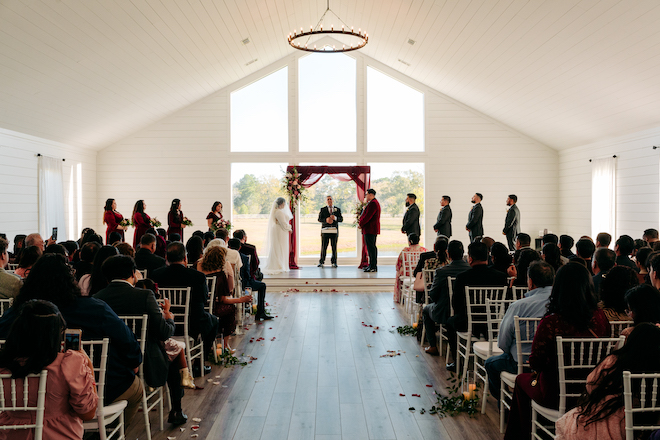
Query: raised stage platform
343	278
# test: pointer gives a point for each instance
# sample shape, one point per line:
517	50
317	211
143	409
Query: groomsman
443	223
475	224
370	224
512	222
329	217
411	217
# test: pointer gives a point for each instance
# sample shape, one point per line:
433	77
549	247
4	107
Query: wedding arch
308	176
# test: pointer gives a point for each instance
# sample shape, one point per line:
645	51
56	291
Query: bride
277	240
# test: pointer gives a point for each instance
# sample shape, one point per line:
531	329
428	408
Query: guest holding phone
33	344
113	220
141	221
175	220
214	216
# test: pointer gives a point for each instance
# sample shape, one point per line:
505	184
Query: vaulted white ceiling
565	72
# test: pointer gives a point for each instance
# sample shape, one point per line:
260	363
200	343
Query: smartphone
72	339
54	235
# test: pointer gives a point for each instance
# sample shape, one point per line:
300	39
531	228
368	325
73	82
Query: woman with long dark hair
552	255
97	281
613	287
194	249
29	256
112	218
599	414
34	344
572	312
141	221
19	246
214	216
175	219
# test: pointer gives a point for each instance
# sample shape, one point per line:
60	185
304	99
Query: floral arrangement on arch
359	207
293	188
221	223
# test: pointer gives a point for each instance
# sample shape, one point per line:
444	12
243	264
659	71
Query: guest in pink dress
33	345
413	246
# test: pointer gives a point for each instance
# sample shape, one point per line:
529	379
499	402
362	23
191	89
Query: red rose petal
430	386
374	331
401	394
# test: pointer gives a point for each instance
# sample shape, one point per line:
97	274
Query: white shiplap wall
19	183
187	155
636	185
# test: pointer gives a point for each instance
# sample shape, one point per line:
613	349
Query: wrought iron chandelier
300	39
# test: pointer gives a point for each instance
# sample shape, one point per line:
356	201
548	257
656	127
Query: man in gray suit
443	223
475	225
512	222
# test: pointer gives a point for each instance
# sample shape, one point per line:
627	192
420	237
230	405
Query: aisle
319	374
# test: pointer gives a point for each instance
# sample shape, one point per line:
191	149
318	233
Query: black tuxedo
512	226
144	259
324	213
248	280
411	220
251	251
443	222
475	221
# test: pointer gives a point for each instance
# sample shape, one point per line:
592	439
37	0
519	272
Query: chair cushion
508	378
481	349
551	414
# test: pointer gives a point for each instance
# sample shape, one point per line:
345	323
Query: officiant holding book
329	217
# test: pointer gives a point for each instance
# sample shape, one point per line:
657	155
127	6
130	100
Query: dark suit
144	259
443	222
248	280
251	251
411	220
199	320
624	260
475	222
370	224
512	226
125	299
329	237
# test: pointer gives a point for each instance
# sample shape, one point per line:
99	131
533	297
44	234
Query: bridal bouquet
186	222
359	207
221	223
155	223
293	188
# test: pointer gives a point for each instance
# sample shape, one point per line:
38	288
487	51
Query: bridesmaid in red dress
174	219
214	216
113	219
141	221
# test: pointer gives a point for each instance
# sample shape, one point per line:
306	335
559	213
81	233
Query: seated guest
19	246
127	300
552	255
604	260
249	281
439	308
224	306
523	241
34	344
125	249
651	236
572	312
643	305
413	246
174	237
114	237
623	248
640	260
208	236
540	277
565	245
438	260
145	257
87	253
10	284
489	242
479	275
585	249
232	255
36	240
161	244
603	239
639	244
613	288
250	250
520	266
51	279
600	411
500	256
29	256
429	255
71	248
55	248
194	249
216	242
177	274
92	283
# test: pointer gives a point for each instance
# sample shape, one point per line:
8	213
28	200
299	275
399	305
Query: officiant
329	217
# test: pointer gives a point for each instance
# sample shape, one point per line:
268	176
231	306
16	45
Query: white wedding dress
277	241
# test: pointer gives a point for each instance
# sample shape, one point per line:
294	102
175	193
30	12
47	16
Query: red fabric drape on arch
309	175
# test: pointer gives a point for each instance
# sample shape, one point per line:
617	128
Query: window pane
392	182
327	105
255	186
260	115
395	115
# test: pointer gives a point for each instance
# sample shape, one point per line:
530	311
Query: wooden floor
341	272
319	374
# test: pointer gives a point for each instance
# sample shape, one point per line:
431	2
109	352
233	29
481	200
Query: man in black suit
329	217
603	260
177	274
411	217
443	222
623	247
248	249
145	257
512	222
126	300
475	224
480	275
248	281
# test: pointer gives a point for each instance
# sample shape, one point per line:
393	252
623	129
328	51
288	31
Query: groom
329	217
370	224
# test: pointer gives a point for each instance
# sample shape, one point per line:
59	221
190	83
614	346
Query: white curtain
603	196
51	198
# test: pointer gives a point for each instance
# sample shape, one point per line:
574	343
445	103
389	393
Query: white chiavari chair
14	395
5	303
643	402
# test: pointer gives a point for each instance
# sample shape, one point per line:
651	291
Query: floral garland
359	207
293	188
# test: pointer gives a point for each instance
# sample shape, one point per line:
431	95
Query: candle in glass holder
466	395
473	389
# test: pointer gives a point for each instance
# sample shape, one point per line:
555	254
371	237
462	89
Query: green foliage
391	191
255	194
407	330
454	403
227	359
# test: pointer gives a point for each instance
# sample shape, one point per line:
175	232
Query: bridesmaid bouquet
186	222
125	223
222	223
155	223
293	188
359	207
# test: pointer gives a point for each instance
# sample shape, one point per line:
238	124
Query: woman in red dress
174	220
214	216
141	221
113	219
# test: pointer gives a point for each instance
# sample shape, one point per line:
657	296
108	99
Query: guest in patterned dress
413	246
